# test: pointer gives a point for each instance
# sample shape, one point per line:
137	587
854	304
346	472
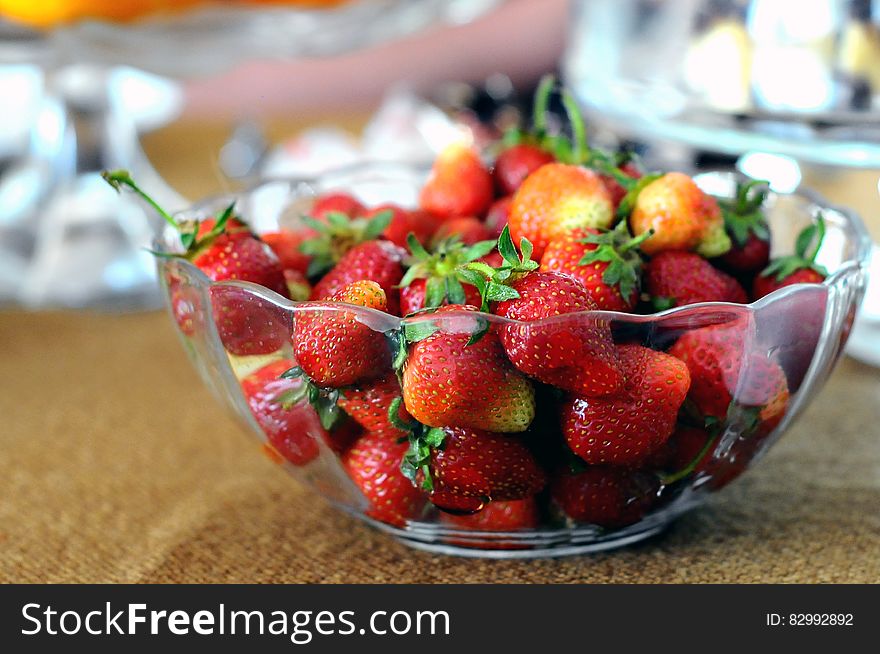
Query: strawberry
336	203
676	278
459	185
681	215
292	427
514	515
419	223
467	230
515	163
286	246
798	268
373	463
337	234
626	428
335	349
497	216
726	367
691	452
524	152
466	468
607	263
605	496
456	374
248	324
368	403
377	261
577	353
434	279
556	199
745	224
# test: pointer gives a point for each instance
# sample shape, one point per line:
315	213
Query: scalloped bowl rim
860	260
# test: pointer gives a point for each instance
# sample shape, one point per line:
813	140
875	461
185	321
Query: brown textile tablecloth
118	466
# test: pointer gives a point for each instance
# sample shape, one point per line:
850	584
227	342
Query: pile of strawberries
504	399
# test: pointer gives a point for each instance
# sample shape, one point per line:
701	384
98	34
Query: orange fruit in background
48	13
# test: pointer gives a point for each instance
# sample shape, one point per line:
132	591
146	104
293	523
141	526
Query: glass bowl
777	353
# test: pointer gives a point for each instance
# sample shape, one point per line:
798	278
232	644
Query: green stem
579	147
542	101
636	241
820	236
117	178
668	479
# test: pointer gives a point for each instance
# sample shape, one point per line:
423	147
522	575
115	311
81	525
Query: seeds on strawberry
677	278
373	463
377	261
248	324
368	403
603	495
332	346
626	428
459	376
556	199
681	215
575	353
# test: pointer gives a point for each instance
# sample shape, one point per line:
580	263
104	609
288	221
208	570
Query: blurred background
199	97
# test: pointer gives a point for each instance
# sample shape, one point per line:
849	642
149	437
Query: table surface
118	466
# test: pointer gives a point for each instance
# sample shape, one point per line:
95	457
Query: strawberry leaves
743	215
337	234
494	283
442	268
422	441
807	247
323	400
620	250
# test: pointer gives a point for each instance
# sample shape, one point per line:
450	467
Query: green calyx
338	235
324	400
423	440
188	230
494	284
442	268
744	214
620	250
807	247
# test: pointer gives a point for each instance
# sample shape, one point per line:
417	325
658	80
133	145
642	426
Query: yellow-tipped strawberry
459	185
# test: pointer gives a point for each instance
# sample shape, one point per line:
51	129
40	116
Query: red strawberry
473	467
246	323
336	203
608	264
456	374
413	298
681	215
517	162
725	367
515	515
404	222
459	185
498	215
377	261
556	199
676	278
745	224
286	246
577	353
691	452
799	268
604	496
369	401
626	428
332	346
291	426
468	230
337	234
434	278
373	463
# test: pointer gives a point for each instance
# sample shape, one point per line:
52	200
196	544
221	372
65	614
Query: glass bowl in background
787	342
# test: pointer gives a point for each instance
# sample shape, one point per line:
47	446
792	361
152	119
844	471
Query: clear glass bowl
792	337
